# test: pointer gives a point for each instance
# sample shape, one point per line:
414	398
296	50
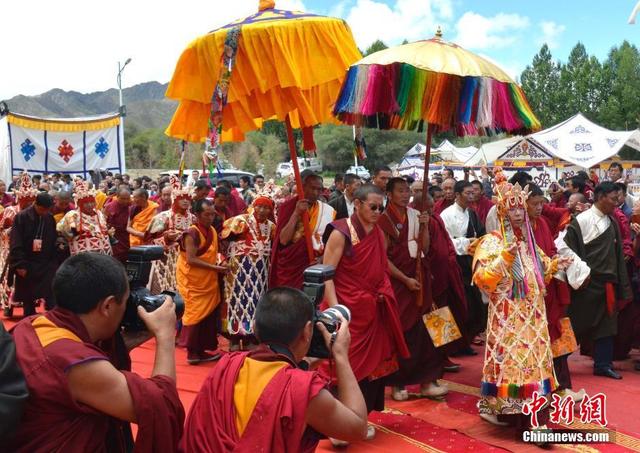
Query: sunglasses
376	207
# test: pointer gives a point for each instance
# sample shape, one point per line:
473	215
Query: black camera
313	287
138	269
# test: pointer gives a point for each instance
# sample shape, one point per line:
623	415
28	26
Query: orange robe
198	286
140	222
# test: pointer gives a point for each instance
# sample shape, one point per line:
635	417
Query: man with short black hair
258	181
447	173
594	236
247	194
221	203
616	172
32	254
265	400
82	396
201	190
381	176
338	187
344	204
464	227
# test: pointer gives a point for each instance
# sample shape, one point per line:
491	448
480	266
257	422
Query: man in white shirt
595	238
463	226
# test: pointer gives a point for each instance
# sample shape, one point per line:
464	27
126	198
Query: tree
540	82
376	46
621	70
580	85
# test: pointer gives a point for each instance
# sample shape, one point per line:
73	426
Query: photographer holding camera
82	396
264	400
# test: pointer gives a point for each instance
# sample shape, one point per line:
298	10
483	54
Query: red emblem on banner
65	150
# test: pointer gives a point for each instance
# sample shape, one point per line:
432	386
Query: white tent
577	141
489	152
448	152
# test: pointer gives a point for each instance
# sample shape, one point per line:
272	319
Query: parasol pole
425	188
296	172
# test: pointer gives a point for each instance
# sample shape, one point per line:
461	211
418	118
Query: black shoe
468	351
607	372
637	366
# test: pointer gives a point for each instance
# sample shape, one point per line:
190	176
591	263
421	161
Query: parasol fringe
402	96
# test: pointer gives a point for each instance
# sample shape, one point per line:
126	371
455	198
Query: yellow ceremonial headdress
508	196
82	193
177	190
26	189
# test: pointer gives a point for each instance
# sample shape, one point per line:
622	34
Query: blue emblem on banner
102	147
28	149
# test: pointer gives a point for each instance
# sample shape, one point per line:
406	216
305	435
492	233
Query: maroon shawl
557	298
278	421
287	261
54	421
362	284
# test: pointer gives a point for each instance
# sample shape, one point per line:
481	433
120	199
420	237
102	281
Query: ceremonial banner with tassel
219	100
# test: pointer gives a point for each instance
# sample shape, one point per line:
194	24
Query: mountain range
146	105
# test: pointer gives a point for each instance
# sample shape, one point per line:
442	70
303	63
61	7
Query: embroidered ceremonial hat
26	189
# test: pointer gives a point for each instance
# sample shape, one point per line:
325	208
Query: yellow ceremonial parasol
434	83
275	64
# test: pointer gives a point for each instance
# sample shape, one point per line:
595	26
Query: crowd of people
527	276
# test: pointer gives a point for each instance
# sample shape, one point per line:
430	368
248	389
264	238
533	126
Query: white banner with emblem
67	146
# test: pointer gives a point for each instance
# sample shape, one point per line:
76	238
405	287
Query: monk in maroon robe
117	214
557	297
447	287
289	256
81	395
482	205
401	227
265	400
449	196
356	247
629	313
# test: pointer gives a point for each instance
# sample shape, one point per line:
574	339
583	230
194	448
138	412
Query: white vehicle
284	169
359	171
310	163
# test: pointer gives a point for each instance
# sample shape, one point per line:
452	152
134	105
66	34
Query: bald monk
449	196
356	247
289	257
81	395
197	280
142	212
265	400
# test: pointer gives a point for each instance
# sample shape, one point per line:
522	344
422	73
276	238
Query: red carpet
421	424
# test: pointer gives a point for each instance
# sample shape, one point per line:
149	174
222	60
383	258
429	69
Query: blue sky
76	44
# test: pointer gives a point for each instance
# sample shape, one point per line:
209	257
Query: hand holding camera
162	321
339	341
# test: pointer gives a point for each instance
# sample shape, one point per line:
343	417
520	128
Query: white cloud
480	32
371	20
75	44
550	33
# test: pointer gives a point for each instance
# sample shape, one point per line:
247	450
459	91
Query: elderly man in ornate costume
512	270
250	237
25	196
166	229
85	228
